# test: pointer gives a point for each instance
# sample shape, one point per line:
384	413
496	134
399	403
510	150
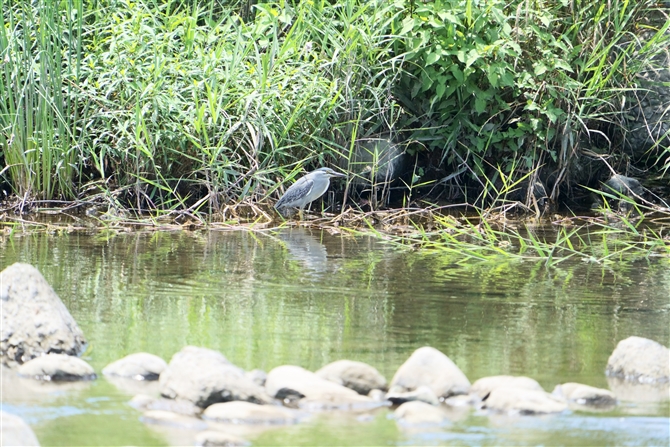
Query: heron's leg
301	213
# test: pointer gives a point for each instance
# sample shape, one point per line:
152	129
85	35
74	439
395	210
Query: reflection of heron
304	247
307	189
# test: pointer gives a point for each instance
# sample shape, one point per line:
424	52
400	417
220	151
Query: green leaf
540	69
431	58
480	104
439	89
473	56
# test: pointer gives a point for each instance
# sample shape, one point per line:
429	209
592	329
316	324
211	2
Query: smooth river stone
641	360
429	367
138	366
524	401
206	377
485	385
57	367
358	376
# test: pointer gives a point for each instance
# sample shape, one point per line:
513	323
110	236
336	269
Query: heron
307	189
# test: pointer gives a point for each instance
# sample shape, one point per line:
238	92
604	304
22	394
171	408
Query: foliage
522	84
170	103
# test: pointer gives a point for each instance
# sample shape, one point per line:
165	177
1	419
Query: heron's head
328	173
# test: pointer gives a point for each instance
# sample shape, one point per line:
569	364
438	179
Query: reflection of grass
593	240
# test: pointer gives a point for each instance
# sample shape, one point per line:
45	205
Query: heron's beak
338	174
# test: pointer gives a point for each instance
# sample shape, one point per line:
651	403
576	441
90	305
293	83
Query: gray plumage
307	189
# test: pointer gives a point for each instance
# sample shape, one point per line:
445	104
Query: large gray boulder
205	377
358	376
523	401
248	413
137	366
57	367
483	387
293	383
34	320
15	431
641	360
428	366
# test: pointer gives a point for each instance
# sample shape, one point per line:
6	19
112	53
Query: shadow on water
308	298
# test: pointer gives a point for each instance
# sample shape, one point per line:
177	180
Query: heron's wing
297	191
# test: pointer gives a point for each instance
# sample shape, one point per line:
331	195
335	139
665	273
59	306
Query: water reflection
305	248
308	298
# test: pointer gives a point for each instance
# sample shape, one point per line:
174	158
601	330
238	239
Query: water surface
307	298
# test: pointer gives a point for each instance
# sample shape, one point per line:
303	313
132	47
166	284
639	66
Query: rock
258	376
358	376
213	438
639	392
34	320
620	184
420	413
639	359
377	395
206	377
160	417
524	401
15	431
54	367
422	393
485	385
248	413
144	402
138	366
585	395
428	366
292	383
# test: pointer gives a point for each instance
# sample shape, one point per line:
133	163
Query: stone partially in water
213	438
206	377
641	360
358	376
34	320
423	394
138	366
482	387
428	366
420	413
585	395
248	413
524	401
57	367
15	431
293	383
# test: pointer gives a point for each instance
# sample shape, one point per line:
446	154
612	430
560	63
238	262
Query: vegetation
175	105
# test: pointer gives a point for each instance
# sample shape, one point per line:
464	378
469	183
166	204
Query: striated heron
306	190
